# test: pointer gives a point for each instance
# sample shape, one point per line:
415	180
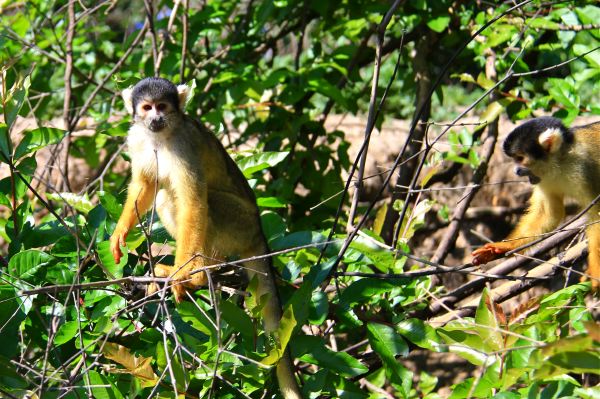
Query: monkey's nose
157	124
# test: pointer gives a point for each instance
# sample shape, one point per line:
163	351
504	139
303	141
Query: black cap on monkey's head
155	89
537	138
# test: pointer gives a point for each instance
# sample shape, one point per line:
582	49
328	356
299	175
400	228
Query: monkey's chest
157	163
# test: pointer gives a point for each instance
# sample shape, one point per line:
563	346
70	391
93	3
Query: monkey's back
585	163
233	213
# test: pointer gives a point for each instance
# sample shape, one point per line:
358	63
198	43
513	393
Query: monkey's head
534	146
156	103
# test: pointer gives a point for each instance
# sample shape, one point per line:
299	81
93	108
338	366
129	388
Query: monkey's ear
551	140
185	92
126	94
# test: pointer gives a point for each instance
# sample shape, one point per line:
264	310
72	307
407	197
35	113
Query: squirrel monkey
559	162
202	199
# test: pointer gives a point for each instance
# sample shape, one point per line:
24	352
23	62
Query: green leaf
439	24
12	313
80	202
270	202
464	339
102	387
111	204
190	313
256	162
563	92
286	327
319	308
273	225
171	365
16	97
297	239
388	344
542	23
368	289
486	318
26	264
237	318
45	234
322	86
315	352
115	270
593	58
38	138
576	362
589	14
283	335
383	258
421	334
5	143
9	377
300	301
491	113
318	273
66	332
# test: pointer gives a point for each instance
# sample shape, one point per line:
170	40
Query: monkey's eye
147	107
161	106
519	158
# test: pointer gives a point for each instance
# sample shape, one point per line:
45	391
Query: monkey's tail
286	379
272	313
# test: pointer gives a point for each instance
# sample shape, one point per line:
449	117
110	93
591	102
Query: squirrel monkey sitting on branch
202	198
559	162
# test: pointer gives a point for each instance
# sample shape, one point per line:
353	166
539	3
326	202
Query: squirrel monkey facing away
202	199
559	162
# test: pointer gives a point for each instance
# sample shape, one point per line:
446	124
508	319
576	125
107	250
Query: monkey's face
155	115
535	147
525	167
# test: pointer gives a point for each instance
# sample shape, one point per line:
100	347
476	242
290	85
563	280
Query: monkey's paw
117	240
489	252
182	278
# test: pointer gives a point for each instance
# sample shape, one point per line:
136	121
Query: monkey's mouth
525	172
157	125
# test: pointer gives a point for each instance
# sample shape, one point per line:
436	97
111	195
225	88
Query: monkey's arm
545	211
140	196
593	270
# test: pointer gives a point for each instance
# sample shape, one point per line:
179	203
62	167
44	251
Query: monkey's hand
117	240
489	252
183	279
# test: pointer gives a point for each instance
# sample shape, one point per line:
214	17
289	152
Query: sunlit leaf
439	24
138	366
102	387
256	162
27	263
35	139
80	202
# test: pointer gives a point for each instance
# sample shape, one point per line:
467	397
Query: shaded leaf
237	318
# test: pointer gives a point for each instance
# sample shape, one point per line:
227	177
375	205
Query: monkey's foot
489	252
183	279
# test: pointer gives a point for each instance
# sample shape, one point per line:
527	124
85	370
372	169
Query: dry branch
504	268
511	288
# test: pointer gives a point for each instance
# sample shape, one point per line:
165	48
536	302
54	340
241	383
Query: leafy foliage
268	75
